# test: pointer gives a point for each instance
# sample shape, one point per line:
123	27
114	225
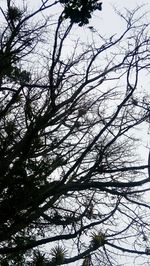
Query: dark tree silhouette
72	188
80	11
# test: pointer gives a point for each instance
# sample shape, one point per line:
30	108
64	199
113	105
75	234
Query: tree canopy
73	188
80	11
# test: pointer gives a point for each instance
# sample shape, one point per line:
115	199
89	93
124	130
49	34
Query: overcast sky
109	23
108	16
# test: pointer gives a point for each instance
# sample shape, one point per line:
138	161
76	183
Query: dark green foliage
7	60
97	240
17	74
14	14
39	259
80	11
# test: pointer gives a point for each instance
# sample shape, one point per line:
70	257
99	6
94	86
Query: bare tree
69	174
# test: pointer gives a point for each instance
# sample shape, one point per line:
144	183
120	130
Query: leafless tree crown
69	172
